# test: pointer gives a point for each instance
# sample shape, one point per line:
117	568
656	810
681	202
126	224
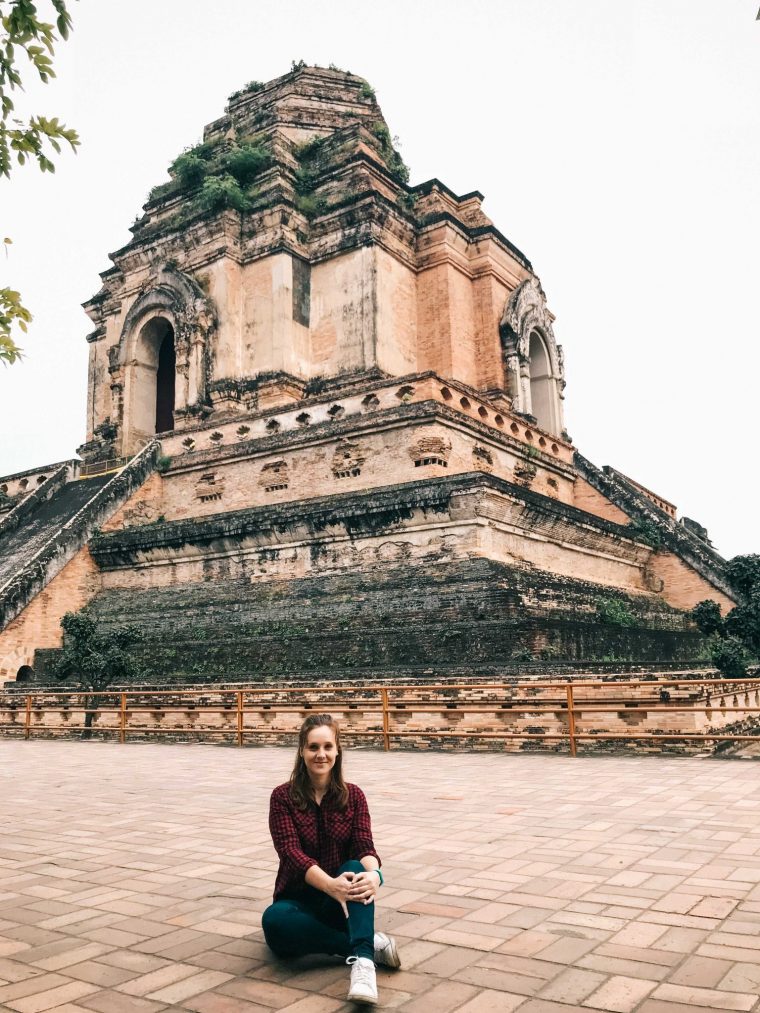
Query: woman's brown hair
301	790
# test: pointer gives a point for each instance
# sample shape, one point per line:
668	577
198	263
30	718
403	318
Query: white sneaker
363	986
386	951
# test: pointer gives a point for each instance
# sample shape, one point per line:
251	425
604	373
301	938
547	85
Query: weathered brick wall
463	616
683	585
587	498
38	626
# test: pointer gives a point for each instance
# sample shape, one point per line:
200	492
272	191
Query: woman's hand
340	888
364	887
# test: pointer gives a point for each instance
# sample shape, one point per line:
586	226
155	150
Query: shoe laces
362	970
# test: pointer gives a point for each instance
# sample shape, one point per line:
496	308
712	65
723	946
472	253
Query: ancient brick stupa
325	435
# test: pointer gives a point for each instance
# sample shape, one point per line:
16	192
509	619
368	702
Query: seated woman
329	870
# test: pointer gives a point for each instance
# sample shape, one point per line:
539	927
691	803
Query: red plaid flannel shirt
318	835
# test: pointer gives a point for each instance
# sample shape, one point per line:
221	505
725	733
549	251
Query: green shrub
190	170
615	612
308	150
388	145
245	162
251	88
366	90
647	532
311	207
734	638
707	617
729	656
219	192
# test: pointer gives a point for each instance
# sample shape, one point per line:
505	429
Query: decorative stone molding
482	458
274	476
177	298
431	448
347	460
526	316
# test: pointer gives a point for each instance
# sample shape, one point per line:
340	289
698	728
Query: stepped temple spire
325	434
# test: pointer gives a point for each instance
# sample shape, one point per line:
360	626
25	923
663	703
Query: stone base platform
132	878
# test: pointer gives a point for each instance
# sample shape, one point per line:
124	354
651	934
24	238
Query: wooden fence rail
245	708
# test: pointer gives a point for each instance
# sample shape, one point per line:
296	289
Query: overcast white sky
617	144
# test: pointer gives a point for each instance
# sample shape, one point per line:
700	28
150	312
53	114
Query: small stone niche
348	460
274	476
430	451
482	458
208	488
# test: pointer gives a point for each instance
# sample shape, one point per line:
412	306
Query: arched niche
533	361
25	674
160	366
152	380
544	398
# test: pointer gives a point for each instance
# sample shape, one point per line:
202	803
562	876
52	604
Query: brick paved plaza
133	877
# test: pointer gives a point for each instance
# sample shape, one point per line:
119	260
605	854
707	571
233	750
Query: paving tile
705	997
620	994
443	998
704	972
144	984
740	978
267	993
50	998
214	1002
115	1002
489	1001
178	992
572	986
563	883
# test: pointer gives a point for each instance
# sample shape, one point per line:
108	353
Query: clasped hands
357	887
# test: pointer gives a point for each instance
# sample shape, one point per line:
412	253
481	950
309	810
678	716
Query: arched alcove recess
542	386
25	674
165	339
166	383
152	381
533	361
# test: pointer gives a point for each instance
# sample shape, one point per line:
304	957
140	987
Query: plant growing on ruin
389	149
646	531
95	658
218	193
250	89
734	639
23	32
189	169
311	207
244	162
615	612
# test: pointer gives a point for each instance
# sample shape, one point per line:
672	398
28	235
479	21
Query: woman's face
319	753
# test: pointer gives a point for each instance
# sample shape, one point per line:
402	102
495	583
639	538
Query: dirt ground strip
132	878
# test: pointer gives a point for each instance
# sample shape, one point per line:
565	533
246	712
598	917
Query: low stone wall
504	717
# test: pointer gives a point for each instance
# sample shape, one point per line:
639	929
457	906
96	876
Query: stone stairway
19	546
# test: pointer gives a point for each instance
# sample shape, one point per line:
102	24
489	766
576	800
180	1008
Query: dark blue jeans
315	923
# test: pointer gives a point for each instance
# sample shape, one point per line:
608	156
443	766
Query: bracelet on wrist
380	875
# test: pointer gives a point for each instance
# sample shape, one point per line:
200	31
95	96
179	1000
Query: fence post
386	719
239	717
28	717
571	719
123	719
